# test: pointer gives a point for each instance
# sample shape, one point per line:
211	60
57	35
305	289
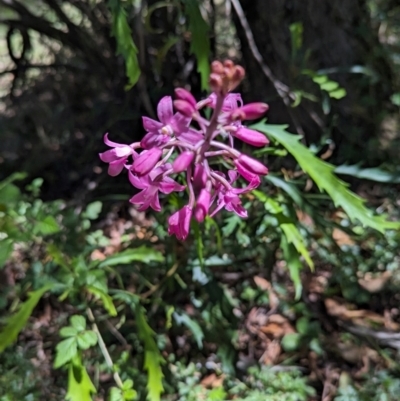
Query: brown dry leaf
265	285
212	381
360	317
271	354
341	238
374	284
304	218
277	326
389	323
97	255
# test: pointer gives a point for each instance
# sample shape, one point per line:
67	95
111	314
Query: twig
152	290
104	349
283	90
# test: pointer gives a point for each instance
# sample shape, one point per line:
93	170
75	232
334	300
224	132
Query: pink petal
139	183
108	156
164	109
150	124
115	167
112	144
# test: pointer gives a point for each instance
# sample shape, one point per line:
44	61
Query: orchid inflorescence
209	190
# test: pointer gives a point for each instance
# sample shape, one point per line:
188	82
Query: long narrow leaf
17	322
323	175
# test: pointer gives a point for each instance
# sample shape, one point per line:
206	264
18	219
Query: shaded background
62	85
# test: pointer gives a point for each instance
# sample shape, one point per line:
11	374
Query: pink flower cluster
187	142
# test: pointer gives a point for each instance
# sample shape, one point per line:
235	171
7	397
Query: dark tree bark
337	34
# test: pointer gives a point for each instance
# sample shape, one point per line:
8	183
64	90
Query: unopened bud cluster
186	141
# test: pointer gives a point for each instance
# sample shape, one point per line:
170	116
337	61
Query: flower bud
146	161
250	136
199	176
217	67
183	161
252	165
184	107
215	82
179	223
202	205
183	94
250	111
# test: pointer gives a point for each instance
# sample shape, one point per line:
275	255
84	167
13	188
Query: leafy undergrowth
299	302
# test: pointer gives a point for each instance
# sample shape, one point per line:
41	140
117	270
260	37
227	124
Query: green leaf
68	331
296	33
199	242
287	225
125	44
80	387
373	174
86	339
93	210
323	175
127	393
105	299
192	325
293	263
320	79
200	41
291	342
66	350
338	94
17	176
329	86
47	226
78	322
9	194
142	254
16	322
395	99
152	357
6	248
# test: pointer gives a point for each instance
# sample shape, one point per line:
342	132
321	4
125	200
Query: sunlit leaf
338	94
46	226
323	175
152	357
93	210
200	41
142	254
105	299
80	387
65	351
16	322
86	339
78	322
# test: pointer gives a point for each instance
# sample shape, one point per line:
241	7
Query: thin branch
104	349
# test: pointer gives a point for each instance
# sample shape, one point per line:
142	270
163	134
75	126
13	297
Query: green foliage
125	44
16	322
126	393
80	387
200	42
76	338
152	356
322	174
258	385
377	387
